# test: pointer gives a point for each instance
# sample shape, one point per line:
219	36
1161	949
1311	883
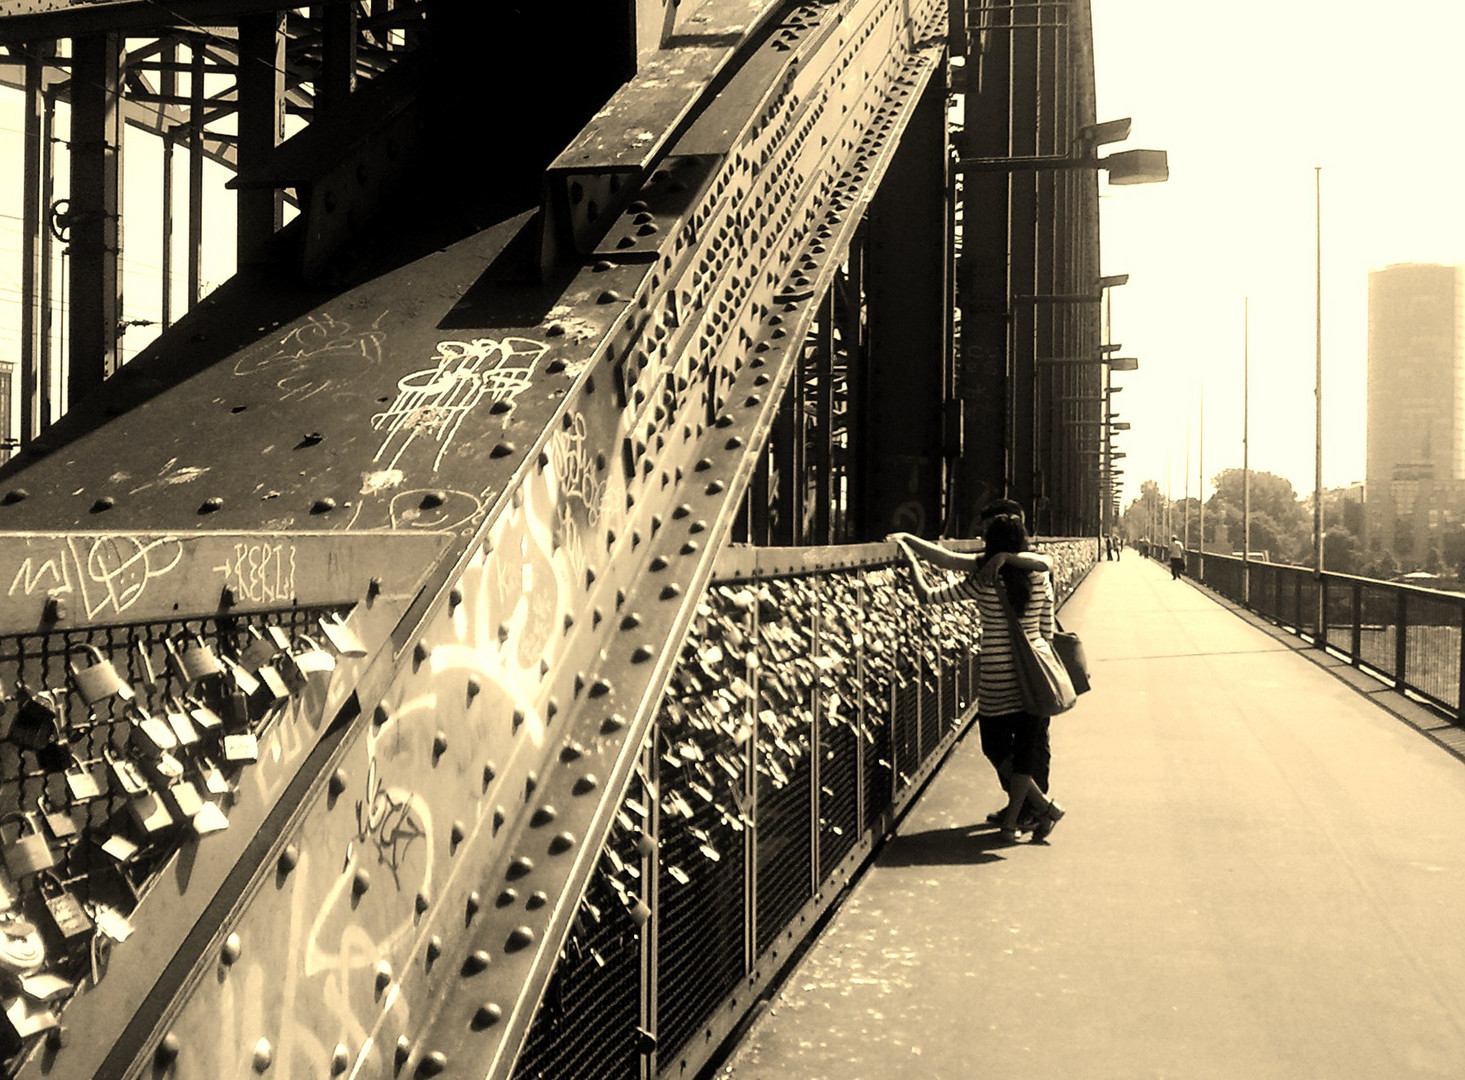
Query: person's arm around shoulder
935	554
1022	560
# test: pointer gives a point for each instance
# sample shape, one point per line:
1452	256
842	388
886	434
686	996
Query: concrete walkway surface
1261	875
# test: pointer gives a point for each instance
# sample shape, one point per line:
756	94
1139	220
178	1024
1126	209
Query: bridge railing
812	699
1405	634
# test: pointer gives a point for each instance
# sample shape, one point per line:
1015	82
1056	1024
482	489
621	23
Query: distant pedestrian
1109	548
1177	558
1014	741
1118	546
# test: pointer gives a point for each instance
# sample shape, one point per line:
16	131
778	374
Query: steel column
909	315
96	201
261	129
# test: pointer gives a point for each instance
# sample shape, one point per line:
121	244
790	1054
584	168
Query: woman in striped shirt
1006	729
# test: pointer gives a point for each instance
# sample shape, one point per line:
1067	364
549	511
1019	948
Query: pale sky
1248	98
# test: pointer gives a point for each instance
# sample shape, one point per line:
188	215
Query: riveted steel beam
586	444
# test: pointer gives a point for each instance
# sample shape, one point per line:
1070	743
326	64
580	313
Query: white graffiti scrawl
433	403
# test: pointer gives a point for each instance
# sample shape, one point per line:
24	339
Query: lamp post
1246	453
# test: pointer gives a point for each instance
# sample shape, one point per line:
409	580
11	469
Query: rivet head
422	903
488	1014
404	1050
434	948
231	949
289	858
488	774
168	1049
472	904
611	724
360	882
264	1055
340	1059
521	937
457	833
439	744
455	596
586	784
562	843
640	654
522	866
476	962
383	976
543	816
339	779
432	1064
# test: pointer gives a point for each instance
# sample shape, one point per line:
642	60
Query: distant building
1415	478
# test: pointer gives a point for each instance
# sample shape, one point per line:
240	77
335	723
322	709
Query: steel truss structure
464	625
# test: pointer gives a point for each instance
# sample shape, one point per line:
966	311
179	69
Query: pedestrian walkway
1261	875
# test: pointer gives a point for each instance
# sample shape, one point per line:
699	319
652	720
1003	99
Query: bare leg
1022	789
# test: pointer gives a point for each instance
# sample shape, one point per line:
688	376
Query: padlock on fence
215	783
62	920
192	660
241	749
28	851
21	949
81	783
59	823
126	778
181	724
183	798
21	1019
342	637
314	664
209	722
97	680
151	736
258	650
38	721
150	813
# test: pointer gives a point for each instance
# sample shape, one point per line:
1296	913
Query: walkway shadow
963	845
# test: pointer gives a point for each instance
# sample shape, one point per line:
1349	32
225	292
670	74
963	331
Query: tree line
1281	525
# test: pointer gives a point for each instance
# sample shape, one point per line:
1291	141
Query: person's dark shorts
1017	743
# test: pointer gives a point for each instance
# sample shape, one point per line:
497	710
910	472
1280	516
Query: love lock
63	920
193	661
98	680
37	722
29	852
312	662
21	948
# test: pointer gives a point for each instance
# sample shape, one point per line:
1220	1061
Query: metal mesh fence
113	739
795	701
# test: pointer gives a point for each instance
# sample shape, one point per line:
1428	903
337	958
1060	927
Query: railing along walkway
1259	876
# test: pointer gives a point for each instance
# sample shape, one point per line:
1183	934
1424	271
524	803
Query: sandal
1048	821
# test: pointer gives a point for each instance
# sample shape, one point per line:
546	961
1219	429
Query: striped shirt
997	689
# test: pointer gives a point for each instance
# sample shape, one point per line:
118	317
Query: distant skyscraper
1416	409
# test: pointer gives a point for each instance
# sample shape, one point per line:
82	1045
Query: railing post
1356	642
1460	692
650	894
1401	636
1322	612
815	699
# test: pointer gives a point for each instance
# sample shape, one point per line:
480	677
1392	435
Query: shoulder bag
1044	682
1069	648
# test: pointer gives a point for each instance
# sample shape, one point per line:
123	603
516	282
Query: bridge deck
1260	875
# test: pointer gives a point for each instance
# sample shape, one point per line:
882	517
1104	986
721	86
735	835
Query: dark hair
1006	532
1000	506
